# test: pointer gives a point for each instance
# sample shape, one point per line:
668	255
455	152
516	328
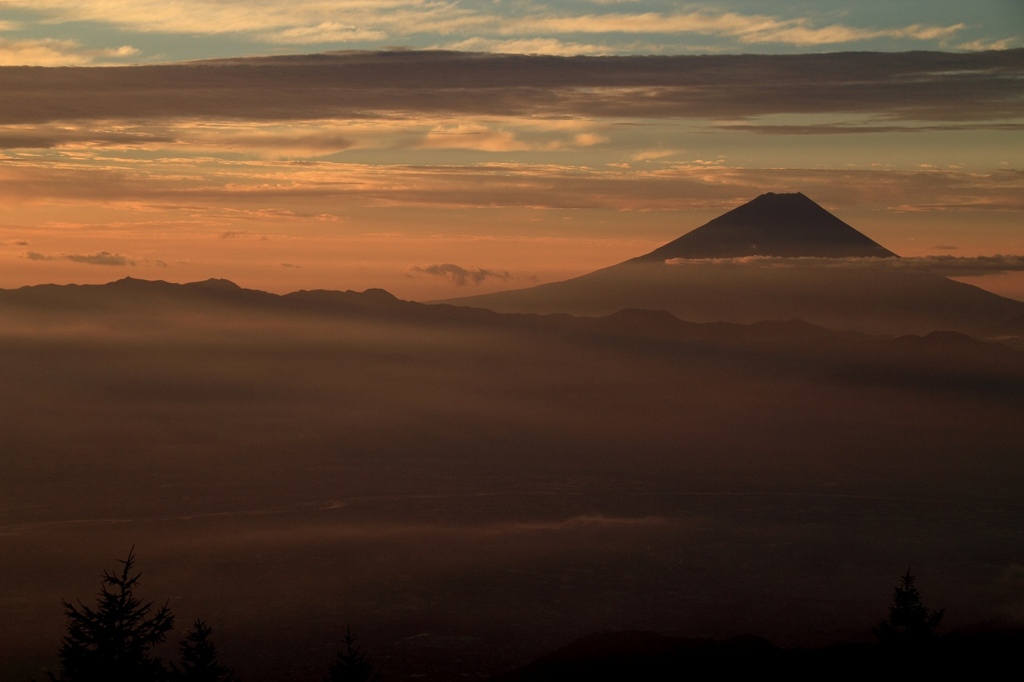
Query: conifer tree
909	621
199	657
352	664
114	641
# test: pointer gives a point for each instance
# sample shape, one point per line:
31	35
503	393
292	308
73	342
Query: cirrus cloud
747	28
54	52
312	22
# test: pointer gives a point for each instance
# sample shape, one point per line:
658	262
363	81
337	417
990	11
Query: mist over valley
470	489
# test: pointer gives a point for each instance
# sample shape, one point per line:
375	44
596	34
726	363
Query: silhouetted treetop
352	664
908	621
199	657
113	642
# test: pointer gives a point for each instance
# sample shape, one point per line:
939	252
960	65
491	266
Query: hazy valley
469	489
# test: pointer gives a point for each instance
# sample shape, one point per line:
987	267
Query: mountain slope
837	278
880	300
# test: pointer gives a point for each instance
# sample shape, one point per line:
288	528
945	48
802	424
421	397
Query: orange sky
365	170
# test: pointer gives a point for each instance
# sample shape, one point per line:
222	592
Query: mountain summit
782	225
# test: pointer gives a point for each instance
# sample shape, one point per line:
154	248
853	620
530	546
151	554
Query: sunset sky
438	148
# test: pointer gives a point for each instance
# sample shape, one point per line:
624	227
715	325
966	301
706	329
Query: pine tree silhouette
352	665
113	642
199	657
909	621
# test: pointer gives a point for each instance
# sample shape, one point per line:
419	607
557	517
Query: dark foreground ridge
638	655
119	641
780	225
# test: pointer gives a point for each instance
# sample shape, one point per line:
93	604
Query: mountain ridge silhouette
138	302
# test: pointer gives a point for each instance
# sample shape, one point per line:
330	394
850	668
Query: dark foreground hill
650	656
467	488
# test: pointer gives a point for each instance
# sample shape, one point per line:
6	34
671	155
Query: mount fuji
779	256
780	225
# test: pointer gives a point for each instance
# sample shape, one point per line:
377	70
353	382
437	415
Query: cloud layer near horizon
949	266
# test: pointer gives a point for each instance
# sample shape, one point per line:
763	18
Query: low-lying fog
467	495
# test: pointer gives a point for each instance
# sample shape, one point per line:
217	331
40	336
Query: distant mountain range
147	307
790	258
778	257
